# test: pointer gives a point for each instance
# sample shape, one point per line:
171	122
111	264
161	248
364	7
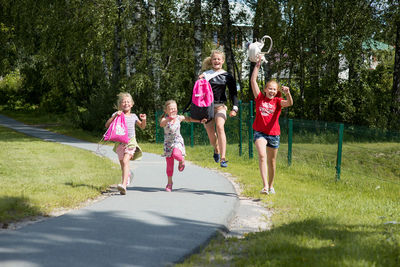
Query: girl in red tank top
266	126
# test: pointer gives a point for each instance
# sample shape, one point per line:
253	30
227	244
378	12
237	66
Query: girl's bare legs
212	136
125	168
271	155
220	123
261	143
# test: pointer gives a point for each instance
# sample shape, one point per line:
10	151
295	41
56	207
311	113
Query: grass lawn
38	177
317	220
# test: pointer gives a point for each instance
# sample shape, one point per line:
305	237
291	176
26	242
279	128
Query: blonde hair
121	97
207	62
166	104
169	102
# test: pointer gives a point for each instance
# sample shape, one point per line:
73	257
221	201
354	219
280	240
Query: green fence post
191	134
290	141
339	152
251	129
240	128
156	127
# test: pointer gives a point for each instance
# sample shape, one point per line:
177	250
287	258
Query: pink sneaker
168	188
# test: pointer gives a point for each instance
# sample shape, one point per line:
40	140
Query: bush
10	85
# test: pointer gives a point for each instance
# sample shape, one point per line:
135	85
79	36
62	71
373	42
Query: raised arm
253	81
142	122
289	100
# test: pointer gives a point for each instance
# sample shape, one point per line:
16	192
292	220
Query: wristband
235	108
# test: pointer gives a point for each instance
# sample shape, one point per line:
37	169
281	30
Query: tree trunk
127	59
154	50
227	36
197	37
135	47
116	70
105	67
395	122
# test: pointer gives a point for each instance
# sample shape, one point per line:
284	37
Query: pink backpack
117	131
202	105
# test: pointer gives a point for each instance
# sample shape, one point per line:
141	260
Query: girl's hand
201	76
232	113
203	121
259	59
285	89
119	112
142	117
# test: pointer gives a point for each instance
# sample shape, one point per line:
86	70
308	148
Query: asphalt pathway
146	227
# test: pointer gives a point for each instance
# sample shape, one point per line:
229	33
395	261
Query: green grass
317	220
40	177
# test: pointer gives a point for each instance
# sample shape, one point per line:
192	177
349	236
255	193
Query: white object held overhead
254	51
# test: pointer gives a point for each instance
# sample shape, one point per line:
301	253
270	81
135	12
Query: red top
267	115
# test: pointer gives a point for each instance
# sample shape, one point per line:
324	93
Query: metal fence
293	131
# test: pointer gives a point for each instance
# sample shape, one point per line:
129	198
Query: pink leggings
176	154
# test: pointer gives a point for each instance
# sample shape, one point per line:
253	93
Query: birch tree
198	40
153	48
227	36
395	105
116	69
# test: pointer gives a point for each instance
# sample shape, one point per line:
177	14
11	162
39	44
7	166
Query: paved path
147	227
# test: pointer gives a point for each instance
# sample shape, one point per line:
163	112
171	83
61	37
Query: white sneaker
130	176
271	190
264	191
121	189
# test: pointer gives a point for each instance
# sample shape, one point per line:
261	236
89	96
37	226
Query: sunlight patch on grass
39	177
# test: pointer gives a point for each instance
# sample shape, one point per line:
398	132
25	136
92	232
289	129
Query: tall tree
116	70
197	37
395	106
227	36
153	31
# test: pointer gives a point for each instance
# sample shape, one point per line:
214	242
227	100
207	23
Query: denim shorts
272	140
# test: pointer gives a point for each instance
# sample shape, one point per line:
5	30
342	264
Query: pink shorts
123	149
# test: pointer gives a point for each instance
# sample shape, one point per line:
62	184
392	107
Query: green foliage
9	87
75	57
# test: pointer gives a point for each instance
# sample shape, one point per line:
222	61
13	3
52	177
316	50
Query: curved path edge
147	227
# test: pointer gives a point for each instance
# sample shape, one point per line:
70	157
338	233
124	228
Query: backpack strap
208	75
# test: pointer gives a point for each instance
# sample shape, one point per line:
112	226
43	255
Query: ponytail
207	64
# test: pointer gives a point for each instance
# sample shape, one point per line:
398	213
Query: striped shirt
130	124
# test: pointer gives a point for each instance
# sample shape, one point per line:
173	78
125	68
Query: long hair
207	62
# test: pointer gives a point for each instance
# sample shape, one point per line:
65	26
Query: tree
197	22
226	33
395	106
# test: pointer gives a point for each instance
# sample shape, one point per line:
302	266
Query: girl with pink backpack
219	80
174	146
129	150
